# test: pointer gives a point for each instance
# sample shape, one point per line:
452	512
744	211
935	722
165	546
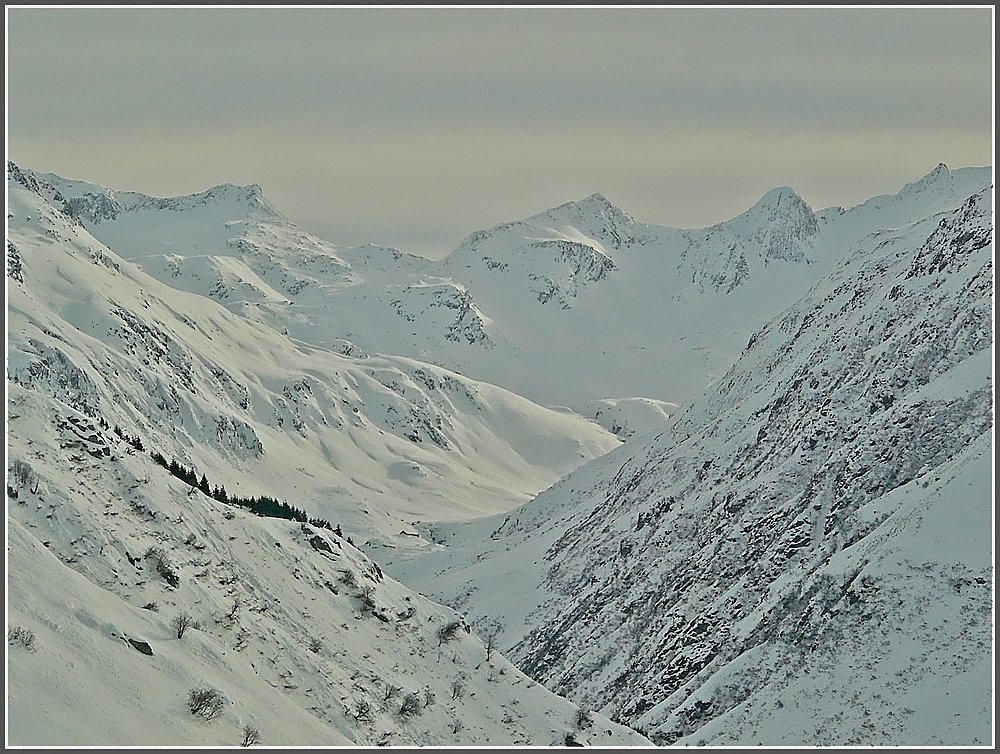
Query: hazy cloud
415	126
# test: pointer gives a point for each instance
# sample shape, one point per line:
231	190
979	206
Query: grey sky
413	127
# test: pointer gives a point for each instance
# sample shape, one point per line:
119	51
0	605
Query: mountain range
763	450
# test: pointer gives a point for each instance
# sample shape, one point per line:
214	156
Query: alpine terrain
148	606
584	480
804	555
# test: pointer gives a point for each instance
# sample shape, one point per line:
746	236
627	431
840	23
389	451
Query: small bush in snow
23	475
582	719
205	702
367	597
347	578
429	698
251	736
166	569
410	706
154	606
457	689
23	636
181	623
448	632
363	712
315	645
456	725
390	691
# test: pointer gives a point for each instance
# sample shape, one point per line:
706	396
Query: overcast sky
412	127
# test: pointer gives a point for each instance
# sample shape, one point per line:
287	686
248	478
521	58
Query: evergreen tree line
262	505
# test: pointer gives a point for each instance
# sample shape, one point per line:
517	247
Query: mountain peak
250	194
596	204
776	225
599	199
595	215
781	196
936	176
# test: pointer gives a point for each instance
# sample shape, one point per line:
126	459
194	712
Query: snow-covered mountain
816	507
804	555
629	309
297	632
371	441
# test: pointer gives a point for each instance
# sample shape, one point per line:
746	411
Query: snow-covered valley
726	485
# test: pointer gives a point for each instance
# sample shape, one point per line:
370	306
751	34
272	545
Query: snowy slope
803	555
302	635
370	441
305	638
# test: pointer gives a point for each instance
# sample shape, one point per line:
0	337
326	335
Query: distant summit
594	215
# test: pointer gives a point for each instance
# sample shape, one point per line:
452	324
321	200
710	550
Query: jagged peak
25	177
252	195
941	169
938	174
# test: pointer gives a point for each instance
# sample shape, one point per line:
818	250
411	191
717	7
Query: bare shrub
367	597
582	719
347	578
448	632
154	606
181	623
251	736
410	706
489	642
166	569
390	691
457	689
456	725
315	645
23	636
363	711
206	702
429	698
24	476
164	566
